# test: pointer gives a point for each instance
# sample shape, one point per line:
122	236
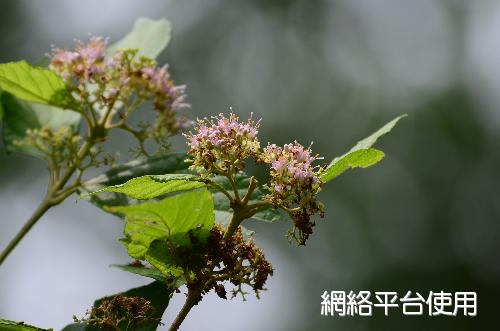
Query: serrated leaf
172	164
157	293
361	155
6	325
159	256
148	36
143	271
157	165
35	84
153	186
20	116
169	217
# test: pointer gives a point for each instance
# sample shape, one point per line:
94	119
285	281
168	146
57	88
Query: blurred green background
426	218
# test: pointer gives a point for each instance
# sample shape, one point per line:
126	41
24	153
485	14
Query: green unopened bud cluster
59	147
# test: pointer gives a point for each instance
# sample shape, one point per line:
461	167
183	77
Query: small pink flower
225	139
279	165
93	51
291	166
148	72
278	188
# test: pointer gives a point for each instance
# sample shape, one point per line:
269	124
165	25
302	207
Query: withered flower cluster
235	259
120	313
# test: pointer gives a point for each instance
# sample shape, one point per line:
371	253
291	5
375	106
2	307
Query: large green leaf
168	164
174	163
153	186
148	36
157	293
6	325
159	256
156	165
35	84
20	116
172	216
361	155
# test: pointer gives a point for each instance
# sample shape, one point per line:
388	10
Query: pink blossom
225	139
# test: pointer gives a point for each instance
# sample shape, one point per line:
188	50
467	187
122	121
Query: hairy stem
251	188
241	211
235	222
55	195
193	295
45	205
191	300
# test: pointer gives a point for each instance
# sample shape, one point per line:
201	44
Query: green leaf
156	165
361	155
362	158
143	271
153	186
159	256
6	325
372	139
157	293
35	84
148	36
21	115
171	164
169	217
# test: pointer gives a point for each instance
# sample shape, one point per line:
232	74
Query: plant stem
55	195
45	205
235	222
192	298
241	211
193	295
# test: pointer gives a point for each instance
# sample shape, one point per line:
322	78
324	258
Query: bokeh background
426	218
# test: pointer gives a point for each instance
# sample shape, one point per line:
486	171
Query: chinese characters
363	303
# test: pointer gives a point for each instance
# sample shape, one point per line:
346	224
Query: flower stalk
105	86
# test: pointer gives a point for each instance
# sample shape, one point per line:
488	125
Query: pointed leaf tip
361	155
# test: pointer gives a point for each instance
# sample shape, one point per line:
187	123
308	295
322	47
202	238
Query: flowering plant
189	230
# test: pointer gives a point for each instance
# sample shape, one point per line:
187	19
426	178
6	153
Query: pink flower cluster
291	167
124	76
170	96
223	143
82	63
294	185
